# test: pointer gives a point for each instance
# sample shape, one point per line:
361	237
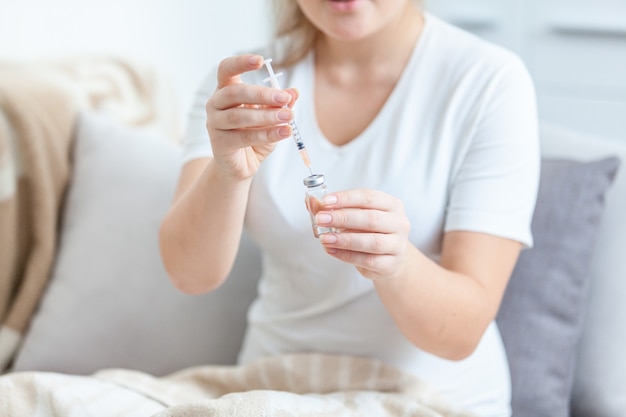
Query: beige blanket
311	385
39	102
36	123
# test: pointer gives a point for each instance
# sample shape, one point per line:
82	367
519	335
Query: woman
431	136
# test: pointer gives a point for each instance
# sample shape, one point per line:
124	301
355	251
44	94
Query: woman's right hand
245	121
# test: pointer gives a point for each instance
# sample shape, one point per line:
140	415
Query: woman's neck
361	75
387	49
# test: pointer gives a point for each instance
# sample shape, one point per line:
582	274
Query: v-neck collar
388	106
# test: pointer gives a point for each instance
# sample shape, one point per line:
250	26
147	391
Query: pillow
109	302
541	315
599	383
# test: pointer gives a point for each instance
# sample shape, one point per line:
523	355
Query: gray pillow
541	315
109	302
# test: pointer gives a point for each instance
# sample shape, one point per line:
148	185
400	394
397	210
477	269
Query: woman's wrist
223	180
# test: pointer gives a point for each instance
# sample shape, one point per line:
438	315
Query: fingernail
284	115
329	199
331	250
323	218
328	238
281	97
284	132
253	60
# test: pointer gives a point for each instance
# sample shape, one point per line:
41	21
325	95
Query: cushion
541	315
599	383
109	302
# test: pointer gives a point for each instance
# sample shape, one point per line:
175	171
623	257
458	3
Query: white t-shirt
457	141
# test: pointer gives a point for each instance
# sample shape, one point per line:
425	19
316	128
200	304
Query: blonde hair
299	34
297	30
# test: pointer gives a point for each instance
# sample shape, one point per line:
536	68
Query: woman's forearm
199	236
440	311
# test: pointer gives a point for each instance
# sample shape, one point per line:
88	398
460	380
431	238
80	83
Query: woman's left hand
374	231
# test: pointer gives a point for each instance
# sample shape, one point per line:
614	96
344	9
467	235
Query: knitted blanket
311	385
36	123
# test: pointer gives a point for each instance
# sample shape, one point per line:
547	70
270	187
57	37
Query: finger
295	94
359	219
247	117
362	198
379	265
373	243
231	68
237	94
251	137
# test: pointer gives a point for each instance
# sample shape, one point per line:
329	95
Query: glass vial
315	191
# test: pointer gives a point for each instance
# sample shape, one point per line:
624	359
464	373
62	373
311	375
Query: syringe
273	79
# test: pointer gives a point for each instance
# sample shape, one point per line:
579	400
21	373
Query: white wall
183	38
574	49
580	79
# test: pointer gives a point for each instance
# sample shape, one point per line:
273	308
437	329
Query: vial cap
314	180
